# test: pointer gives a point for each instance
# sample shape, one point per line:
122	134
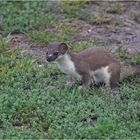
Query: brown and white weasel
93	63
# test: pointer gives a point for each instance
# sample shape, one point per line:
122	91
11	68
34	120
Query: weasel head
56	51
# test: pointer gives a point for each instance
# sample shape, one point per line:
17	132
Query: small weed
137	18
3	44
95	20
83	46
85	15
72	7
62	32
99	20
38	37
115	8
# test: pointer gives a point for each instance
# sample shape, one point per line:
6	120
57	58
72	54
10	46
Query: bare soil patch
123	31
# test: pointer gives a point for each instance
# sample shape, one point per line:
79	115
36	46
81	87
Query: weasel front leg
115	75
70	82
86	79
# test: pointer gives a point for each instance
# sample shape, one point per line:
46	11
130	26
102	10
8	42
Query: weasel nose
49	56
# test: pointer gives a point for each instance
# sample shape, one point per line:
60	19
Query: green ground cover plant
35	101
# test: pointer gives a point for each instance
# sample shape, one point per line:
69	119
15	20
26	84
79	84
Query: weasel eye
55	53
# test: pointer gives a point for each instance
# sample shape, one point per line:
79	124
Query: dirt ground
125	32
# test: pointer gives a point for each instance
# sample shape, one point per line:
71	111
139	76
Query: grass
82	46
95	20
124	55
31	109
35	102
115	8
72	8
27	15
62	33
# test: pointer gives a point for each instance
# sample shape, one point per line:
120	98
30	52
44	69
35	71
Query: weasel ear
63	47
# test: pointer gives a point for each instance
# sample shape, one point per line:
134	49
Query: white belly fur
68	67
102	75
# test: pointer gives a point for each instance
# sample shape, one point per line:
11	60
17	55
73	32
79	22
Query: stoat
92	63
